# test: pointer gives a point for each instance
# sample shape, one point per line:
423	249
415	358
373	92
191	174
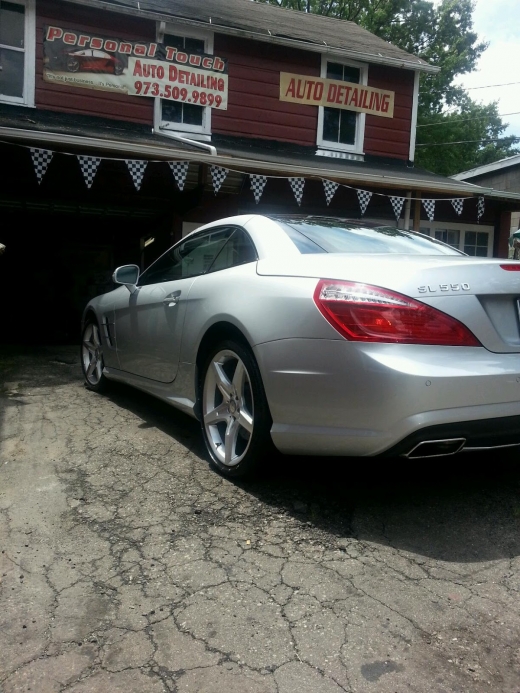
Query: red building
125	125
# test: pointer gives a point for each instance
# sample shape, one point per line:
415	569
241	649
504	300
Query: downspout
208	147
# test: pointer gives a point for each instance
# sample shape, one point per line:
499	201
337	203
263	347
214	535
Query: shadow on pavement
446	510
456	509
39	366
158	414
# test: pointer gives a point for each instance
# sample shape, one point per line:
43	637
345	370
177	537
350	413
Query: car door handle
172	299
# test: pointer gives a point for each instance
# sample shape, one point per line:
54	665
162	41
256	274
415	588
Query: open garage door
57	257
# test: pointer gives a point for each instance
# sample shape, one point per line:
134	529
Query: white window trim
196	132
30	56
415	110
433	226
357	147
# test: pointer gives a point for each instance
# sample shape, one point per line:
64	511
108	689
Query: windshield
324	235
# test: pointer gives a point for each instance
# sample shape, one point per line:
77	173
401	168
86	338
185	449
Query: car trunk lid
482	293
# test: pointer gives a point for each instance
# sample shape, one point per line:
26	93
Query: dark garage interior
64	240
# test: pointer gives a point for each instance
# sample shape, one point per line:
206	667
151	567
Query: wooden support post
407	210
417	212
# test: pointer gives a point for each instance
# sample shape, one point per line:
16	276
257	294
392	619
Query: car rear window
321	235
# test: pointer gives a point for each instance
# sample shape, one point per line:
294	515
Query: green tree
442	35
468	136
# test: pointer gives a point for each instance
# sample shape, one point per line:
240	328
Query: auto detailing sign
317	91
137	68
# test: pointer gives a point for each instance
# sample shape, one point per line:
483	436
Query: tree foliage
470	135
443	35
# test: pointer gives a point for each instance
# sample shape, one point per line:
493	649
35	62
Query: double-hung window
17	41
340	129
182	117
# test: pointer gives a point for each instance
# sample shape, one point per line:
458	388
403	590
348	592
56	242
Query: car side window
238	250
189	258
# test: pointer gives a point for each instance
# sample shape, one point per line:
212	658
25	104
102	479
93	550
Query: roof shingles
275	23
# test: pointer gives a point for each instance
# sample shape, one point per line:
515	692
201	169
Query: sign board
137	68
318	91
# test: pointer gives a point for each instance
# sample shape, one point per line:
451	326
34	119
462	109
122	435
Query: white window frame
326	145
196	132
29	51
432	226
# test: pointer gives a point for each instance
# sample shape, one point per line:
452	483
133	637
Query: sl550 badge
442	287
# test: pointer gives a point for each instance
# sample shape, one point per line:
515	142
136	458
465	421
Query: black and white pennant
180	171
41	160
137	167
297	185
364	198
89	166
218	176
458	205
330	188
480	207
257	185
397	206
429	206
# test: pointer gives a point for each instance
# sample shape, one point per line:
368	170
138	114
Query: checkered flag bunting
218	176
297	185
429	206
257	185
137	168
180	171
330	188
41	160
89	166
364	198
397	206
458	205
480	207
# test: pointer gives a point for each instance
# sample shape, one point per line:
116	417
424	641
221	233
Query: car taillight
511	268
365	313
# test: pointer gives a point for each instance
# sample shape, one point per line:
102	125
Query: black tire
243	412
73	64
91	354
119	68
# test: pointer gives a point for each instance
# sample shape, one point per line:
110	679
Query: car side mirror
127	275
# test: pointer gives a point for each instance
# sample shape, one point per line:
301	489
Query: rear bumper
477	435
334	397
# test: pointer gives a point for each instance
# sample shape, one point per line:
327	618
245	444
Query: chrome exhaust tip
436	448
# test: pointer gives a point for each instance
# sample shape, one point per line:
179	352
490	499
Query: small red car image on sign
89	60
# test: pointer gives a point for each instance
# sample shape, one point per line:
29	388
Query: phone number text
195	96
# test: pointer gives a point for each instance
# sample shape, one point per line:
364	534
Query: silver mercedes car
318	336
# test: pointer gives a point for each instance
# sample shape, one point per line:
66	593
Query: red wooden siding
255	109
254	106
89	101
385	136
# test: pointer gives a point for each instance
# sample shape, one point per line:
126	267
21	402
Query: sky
498	23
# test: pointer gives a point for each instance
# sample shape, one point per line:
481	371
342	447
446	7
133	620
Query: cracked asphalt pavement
128	566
